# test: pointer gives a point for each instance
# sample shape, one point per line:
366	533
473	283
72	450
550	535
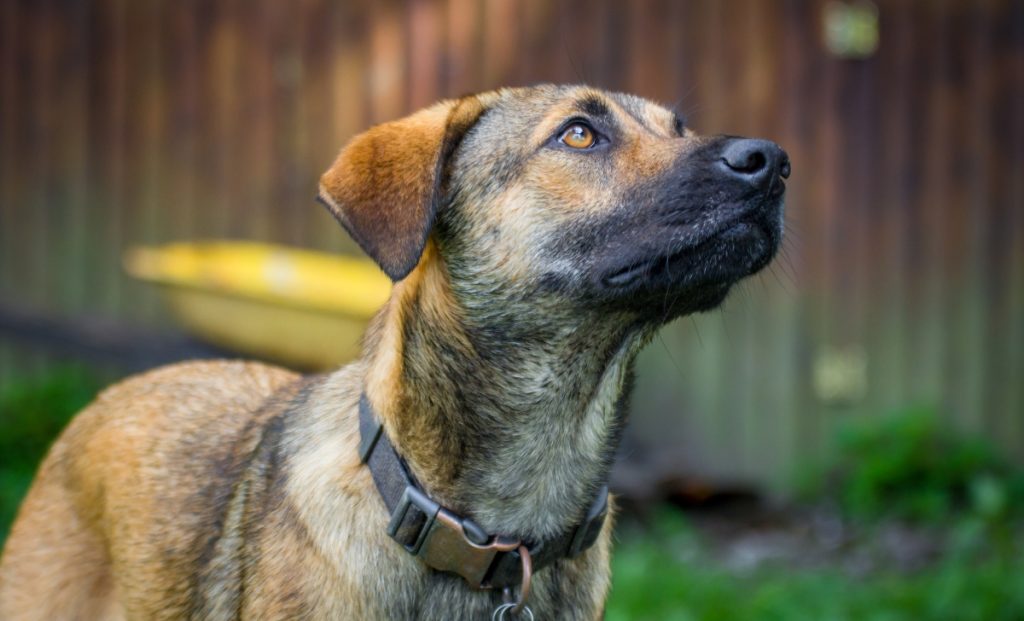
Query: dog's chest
332	560
373	578
387	595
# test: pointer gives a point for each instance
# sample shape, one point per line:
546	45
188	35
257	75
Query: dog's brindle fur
528	275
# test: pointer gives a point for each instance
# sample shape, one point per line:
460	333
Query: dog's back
120	486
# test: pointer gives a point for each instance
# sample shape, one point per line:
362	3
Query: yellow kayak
302	308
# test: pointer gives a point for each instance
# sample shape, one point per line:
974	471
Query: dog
537	238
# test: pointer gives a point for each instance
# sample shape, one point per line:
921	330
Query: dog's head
563	197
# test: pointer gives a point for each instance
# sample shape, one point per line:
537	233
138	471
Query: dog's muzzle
713	220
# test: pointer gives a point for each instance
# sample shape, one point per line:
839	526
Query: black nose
757	162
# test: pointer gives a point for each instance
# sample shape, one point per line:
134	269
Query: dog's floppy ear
386	184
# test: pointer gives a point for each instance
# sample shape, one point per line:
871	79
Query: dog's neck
513	425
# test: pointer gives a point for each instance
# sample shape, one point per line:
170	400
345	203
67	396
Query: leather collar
448	542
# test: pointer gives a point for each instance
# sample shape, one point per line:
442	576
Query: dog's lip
629	273
653	266
778	188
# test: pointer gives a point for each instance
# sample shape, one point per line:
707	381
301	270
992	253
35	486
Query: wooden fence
125	122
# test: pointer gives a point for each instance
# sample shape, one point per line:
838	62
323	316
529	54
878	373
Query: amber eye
578	136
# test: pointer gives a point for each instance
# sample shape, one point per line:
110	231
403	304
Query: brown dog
537	238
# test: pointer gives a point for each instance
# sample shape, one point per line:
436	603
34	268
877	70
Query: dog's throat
448	542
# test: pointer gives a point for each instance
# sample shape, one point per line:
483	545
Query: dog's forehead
538	107
647	112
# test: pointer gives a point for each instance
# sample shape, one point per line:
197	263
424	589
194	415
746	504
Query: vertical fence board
1006	327
11	26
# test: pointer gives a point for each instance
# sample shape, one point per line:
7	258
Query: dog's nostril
785	169
749	157
750	162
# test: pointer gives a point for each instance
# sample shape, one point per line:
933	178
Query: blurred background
842	440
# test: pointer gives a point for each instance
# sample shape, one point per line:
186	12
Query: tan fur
118	474
222	490
382	186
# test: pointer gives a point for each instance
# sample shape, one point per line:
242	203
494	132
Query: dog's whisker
671	357
696	330
787	265
782	284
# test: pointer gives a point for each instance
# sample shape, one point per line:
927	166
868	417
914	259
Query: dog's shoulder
152	411
158	427
233	383
157	459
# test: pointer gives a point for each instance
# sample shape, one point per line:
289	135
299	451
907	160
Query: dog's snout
757	162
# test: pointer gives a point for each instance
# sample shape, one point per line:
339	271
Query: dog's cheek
569	189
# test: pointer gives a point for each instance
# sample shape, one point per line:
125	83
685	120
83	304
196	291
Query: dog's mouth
663	266
735	250
697	276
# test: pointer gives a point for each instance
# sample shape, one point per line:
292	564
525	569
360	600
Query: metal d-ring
524	586
501	611
519	605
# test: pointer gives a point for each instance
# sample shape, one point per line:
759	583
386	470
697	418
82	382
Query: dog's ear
386	184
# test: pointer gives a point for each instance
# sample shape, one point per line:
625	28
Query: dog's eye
578	136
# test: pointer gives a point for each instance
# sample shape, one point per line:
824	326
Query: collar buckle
445	541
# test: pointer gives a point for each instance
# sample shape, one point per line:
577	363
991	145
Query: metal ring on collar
501	611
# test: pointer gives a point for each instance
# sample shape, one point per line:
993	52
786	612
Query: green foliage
913	466
32	412
908	466
665	576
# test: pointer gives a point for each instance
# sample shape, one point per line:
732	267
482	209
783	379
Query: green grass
32	413
662	577
907	467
